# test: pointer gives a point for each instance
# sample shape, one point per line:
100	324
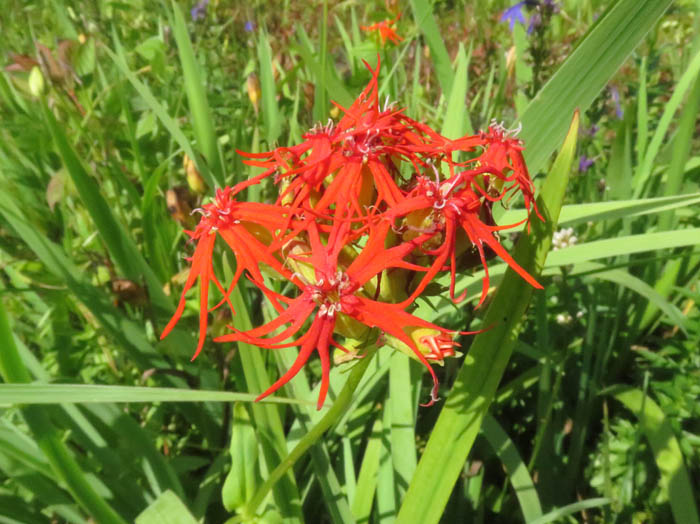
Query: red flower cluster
385	30
369	211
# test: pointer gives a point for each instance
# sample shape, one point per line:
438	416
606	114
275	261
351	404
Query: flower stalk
334	414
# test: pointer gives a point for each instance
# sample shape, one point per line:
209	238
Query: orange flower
336	292
355	224
385	30
237	223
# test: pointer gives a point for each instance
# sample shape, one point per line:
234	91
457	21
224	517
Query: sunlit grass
594	415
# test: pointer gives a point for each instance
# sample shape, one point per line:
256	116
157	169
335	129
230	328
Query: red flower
503	157
240	224
446	208
385	30
350	168
337	292
340	194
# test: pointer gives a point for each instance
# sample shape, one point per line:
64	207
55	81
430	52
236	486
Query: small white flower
564	238
563	319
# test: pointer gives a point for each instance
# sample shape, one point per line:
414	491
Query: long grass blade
687	80
476	383
270	111
195	83
585	73
89	394
423	15
516	469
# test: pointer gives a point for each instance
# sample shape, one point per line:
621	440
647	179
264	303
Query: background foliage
594	416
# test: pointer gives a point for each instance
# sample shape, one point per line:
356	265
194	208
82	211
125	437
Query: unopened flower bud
194	179
435	345
37	85
243	478
253	87
177	202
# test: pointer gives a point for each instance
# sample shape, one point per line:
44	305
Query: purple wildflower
514	14
199	10
249	26
615	95
535	21
593	130
585	163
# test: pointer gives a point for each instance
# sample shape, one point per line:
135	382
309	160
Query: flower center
331	293
218	214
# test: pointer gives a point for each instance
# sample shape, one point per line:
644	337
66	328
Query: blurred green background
119	118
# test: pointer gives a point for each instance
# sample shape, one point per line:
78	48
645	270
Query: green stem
49	441
333	414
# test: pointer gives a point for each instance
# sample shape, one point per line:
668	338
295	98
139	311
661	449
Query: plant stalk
334	413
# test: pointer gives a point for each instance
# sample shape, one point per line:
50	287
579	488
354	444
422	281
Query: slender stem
333	414
47	438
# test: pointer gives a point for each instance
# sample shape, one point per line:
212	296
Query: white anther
454	206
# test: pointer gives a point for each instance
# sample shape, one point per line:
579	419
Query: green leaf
516	469
423	15
386	496
652	151
475	386
166	509
456	123
611	247
154	105
367	478
268	420
402	407
597	212
580	262
570	509
323	77
340	405
270	111
87	393
129	335
195	82
584	74
120	244
334	497
62	461
637	285
675	481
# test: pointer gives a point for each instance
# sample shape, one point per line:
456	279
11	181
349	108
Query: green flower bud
243	479
37	86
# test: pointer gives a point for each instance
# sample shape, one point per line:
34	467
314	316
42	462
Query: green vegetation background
584	410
